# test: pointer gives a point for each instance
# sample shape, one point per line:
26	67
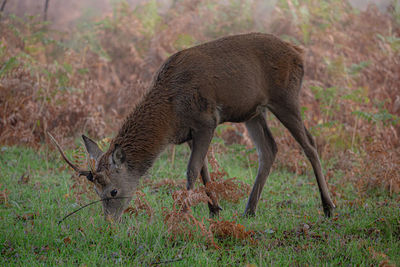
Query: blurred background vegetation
84	67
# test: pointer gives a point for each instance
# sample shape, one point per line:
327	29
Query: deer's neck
146	131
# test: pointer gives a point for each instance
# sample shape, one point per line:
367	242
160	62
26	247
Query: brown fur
232	79
147	130
143	141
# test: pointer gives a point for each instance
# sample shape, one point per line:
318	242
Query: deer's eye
90	177
113	192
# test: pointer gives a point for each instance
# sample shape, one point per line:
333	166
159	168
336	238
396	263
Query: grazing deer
232	79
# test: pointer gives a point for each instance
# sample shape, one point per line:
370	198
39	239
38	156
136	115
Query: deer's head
113	181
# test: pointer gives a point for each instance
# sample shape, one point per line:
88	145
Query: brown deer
232	79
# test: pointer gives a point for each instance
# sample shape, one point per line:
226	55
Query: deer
234	79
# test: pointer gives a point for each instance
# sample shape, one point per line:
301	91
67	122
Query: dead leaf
80	230
26	216
305	229
4	196
284	203
227	229
24	179
67	240
386	263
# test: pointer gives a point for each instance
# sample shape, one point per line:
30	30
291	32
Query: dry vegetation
88	79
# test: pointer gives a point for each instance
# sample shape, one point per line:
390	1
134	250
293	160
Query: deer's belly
235	114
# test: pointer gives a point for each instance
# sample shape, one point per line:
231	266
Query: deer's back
230	78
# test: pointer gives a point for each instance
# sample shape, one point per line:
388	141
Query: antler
81	172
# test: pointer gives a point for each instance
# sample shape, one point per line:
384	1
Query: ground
289	229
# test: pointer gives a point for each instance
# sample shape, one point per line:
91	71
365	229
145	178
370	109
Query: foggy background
63	14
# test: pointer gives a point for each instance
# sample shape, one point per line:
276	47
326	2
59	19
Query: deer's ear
118	156
92	148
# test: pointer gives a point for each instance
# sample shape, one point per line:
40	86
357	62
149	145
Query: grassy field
289	228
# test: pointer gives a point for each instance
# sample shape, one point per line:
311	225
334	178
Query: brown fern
141	204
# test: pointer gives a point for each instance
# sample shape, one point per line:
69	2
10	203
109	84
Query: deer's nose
113	192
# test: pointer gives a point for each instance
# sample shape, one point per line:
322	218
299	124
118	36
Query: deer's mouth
113	217
112	214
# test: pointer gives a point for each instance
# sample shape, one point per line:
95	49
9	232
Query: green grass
364	231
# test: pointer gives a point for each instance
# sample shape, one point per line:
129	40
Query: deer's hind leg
266	149
289	114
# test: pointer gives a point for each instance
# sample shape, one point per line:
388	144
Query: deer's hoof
328	210
214	210
249	213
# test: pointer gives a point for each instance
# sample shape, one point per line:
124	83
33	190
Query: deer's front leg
213	206
201	140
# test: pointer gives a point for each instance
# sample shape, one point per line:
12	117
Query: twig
46	6
91	203
3	5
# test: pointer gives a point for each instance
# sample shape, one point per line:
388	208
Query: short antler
81	172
